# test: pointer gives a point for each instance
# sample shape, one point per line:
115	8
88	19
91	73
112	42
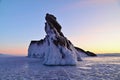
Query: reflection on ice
85	67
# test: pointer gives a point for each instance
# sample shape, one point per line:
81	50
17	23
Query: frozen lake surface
91	68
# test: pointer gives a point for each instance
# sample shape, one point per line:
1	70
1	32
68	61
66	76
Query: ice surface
91	68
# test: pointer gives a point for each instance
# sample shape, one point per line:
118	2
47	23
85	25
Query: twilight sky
92	25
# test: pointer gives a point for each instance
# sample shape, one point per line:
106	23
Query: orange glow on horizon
15	51
87	45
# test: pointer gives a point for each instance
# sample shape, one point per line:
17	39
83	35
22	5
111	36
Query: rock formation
85	53
55	48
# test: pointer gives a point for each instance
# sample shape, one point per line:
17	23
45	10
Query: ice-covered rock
55	48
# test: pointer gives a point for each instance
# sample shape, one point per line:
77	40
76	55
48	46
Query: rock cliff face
55	48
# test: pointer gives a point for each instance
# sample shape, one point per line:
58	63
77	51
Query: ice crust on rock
55	48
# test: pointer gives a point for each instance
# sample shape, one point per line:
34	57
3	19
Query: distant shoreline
102	54
109	54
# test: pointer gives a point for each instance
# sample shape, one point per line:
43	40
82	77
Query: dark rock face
55	48
88	53
51	20
79	49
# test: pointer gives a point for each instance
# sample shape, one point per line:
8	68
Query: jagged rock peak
52	21
55	48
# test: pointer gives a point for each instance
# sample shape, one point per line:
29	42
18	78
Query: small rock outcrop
85	53
55	48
